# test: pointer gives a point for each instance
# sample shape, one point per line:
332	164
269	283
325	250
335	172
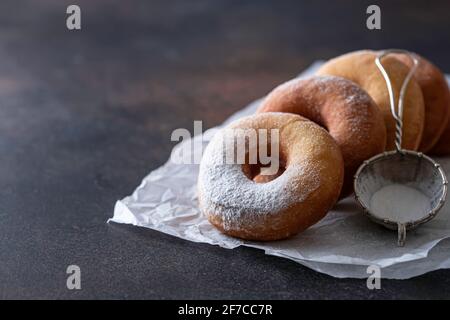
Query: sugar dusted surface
226	191
337	86
341	92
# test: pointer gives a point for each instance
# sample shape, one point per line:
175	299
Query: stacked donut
327	126
427	105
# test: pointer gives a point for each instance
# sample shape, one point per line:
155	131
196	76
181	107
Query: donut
360	68
442	147
264	178
437	103
345	110
308	187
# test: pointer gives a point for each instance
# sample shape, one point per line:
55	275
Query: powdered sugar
225	190
348	90
343	94
399	203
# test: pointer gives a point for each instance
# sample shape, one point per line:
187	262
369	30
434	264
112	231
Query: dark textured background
85	115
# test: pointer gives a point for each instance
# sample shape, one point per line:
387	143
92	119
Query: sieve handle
401	229
397	113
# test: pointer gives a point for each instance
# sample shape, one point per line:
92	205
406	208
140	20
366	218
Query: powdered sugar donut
307	188
360	68
340	106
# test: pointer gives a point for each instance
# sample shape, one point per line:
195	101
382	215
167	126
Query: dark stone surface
85	115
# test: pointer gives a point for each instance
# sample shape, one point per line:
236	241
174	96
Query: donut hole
260	173
262	177
266	170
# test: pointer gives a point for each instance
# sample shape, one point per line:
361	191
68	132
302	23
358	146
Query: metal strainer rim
394	224
397	114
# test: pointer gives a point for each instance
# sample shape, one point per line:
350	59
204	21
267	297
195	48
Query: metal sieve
400	166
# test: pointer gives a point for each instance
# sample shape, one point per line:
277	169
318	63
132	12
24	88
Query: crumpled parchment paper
342	244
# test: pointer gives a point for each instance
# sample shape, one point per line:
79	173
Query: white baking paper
342	245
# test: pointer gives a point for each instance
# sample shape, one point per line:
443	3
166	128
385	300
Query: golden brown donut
298	198
360	68
340	106
264	178
442	147
437	103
